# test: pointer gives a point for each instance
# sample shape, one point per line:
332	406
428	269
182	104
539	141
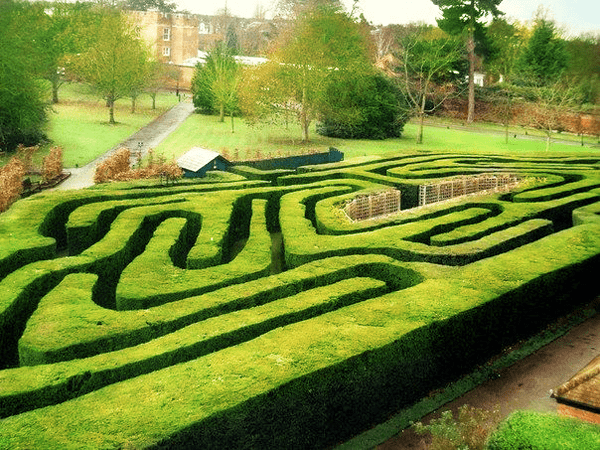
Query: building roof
583	389
244	60
196	158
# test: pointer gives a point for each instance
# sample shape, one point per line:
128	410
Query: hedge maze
247	311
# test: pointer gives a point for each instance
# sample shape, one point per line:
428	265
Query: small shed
197	161
580	396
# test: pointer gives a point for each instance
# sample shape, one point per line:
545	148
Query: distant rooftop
245	60
196	158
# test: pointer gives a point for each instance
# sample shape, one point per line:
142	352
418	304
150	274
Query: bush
468	431
52	165
11	182
117	168
373	109
529	430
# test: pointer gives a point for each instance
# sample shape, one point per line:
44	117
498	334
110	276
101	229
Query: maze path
167	326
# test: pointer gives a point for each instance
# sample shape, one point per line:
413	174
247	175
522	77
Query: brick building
181	40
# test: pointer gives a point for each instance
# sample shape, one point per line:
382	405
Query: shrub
536	431
11	182
468	431
52	165
370	110
117	168
112	166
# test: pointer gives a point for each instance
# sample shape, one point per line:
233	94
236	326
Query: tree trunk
304	121
54	92
222	113
110	102
421	120
133	99
471	52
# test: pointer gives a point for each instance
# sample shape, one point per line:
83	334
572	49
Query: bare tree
428	68
552	101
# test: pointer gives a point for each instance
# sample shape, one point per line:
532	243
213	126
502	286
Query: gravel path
146	138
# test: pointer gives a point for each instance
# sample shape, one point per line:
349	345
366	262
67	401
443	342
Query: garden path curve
146	138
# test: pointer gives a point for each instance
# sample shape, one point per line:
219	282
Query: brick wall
571	411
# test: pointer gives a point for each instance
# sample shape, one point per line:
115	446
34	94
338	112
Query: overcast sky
575	16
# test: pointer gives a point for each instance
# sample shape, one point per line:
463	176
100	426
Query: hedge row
536	431
408	242
71	326
299	359
303	385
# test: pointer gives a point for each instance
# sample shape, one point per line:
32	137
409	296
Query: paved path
146	138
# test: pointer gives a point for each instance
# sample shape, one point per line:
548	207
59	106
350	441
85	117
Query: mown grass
79	123
249	141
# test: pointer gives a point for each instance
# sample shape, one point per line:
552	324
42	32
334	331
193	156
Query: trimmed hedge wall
166	326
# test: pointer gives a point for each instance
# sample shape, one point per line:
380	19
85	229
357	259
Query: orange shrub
25	155
117	168
11	182
111	167
52	166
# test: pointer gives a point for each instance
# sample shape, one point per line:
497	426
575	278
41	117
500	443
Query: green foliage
544	58
505	46
322	48
215	83
468	431
144	5
364	109
22	105
116	61
157	331
536	431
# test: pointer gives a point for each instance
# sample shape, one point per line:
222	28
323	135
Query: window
166	51
166	34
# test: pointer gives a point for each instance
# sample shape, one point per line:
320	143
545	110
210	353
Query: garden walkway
146	138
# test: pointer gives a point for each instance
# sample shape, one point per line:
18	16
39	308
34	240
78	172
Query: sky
573	16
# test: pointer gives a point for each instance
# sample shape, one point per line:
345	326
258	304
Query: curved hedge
145	317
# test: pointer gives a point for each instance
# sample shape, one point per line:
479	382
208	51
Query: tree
115	62
544	58
293	9
22	105
552	100
215	83
323	47
429	65
372	108
583	66
506	44
144	5
463	16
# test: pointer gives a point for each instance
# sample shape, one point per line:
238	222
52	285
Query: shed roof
196	158
583	388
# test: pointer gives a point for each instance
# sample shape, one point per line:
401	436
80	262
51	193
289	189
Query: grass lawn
207	131
79	123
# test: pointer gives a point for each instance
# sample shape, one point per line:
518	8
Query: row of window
166	51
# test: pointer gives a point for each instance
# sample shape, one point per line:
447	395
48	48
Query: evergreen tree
544	59
464	15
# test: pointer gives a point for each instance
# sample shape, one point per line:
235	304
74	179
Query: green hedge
529	430
215	350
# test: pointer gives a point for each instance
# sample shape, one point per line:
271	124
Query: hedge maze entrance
129	317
